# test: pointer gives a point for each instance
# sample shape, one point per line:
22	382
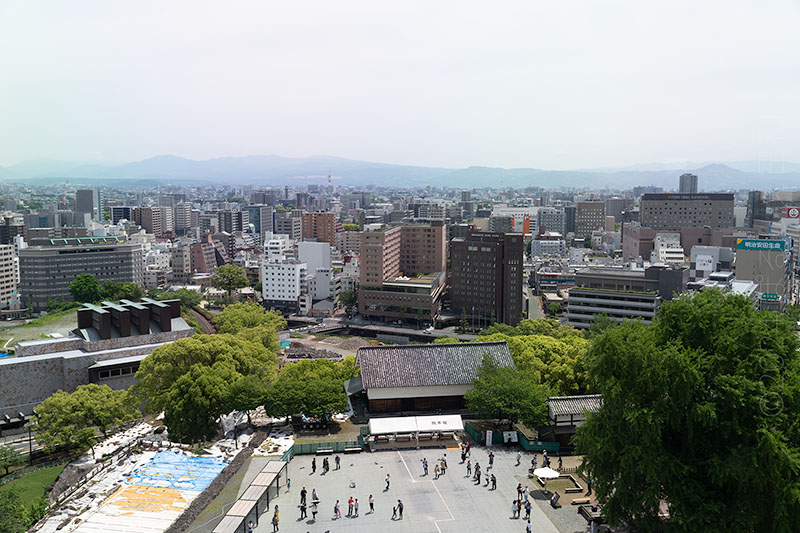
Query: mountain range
273	170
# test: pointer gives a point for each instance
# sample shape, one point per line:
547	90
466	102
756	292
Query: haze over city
550	85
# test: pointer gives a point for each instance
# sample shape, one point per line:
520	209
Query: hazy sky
547	84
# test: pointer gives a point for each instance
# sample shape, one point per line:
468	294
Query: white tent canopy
412	424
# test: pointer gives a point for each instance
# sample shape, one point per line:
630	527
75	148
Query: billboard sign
760	244
791	212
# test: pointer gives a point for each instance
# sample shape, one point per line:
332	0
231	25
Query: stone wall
26	348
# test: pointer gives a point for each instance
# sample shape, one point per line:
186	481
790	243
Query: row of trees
86	289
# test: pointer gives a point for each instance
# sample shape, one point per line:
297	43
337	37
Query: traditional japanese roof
574	405
427	365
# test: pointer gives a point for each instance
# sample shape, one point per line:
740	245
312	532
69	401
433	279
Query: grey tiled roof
574	405
426	365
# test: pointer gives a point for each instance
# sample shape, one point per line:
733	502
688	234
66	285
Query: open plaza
453	502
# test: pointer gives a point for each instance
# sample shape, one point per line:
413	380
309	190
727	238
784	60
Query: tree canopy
244	315
700	413
84	288
229	278
507	393
162	368
312	387
72	419
14	514
115	290
10	457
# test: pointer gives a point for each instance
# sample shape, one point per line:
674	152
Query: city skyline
453	85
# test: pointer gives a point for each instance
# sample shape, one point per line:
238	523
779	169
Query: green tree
311	387
699	412
10	457
554	309
74	419
446	340
84	288
463	323
351	227
14	517
196	400
162	368
507	393
229	278
348	298
241	316
246	394
115	291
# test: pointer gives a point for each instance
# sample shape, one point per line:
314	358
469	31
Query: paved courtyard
451	504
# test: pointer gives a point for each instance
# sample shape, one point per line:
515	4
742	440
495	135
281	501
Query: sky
547	84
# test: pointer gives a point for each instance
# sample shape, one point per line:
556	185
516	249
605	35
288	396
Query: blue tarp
177	471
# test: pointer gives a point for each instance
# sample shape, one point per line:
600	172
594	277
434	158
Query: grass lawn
34	485
337	432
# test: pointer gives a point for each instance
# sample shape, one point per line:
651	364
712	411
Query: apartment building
678	211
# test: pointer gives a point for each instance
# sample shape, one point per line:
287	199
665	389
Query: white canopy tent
415	424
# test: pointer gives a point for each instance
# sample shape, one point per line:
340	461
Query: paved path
453	503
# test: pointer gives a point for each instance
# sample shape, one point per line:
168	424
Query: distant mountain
275	170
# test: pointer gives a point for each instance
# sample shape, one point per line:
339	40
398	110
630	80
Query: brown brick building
321	227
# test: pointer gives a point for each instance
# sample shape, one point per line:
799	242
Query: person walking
528	527
527	509
355	508
560	463
519	490
436	471
494	483
371	504
478	476
388	480
394	512
469	468
303	495
313	465
337	512
314	511
444	464
589	486
491	461
425	466
400	509
337	460
250	527
525	493
519	458
275	520
303	513
519	509
514	509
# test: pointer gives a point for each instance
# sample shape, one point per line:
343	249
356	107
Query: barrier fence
527	444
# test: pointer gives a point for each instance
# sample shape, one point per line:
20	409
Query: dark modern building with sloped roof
423	377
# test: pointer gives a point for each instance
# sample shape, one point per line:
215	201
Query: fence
527	445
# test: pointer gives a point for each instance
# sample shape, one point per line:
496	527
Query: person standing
350	506
525	493
394	512
314	511
436	471
314	498
303	513
494	482
303	496
337	460
491	461
425	466
250	527
519	509
469	468
313	465
337	512
514	509
519	490
388	480
275	520
528	527
355	508
527	509
478	476
371	504
589	486
400	509
560	463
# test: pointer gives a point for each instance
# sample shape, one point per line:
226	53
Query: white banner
488	437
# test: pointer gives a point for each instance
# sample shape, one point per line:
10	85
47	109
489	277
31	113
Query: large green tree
160	370
244	315
507	393
116	290
311	387
229	278
10	457
245	394
700	413
196	400
84	288
14	516
73	419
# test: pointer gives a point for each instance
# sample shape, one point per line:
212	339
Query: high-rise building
403	273
615	206
678	211
261	217
768	263
151	219
183	217
121	212
569	218
291	226
231	221
486	277
553	219
321	226
688	184
756	208
8	278
86	201
589	216
46	271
